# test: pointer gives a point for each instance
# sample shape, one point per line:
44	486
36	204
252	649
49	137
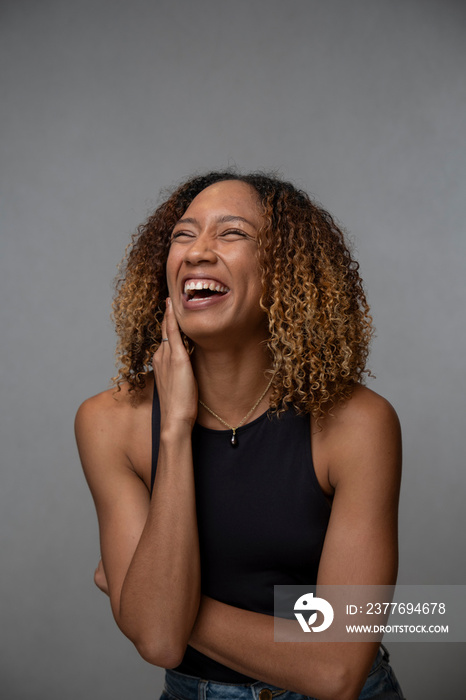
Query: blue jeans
381	684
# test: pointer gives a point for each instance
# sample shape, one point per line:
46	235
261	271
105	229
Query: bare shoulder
104	414
112	423
364	411
113	408
361	443
361	435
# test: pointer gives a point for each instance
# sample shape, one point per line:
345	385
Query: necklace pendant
234	439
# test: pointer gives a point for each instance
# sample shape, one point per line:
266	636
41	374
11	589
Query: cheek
254	294
257	283
170	287
170	273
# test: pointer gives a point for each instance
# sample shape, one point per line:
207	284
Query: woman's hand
149	543
100	578
176	385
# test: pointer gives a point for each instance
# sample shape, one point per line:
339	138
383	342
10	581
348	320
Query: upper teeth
192	285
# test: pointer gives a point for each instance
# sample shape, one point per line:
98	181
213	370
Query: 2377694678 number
405	608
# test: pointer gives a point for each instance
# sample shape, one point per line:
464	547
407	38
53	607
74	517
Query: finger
158	354
164	327
173	330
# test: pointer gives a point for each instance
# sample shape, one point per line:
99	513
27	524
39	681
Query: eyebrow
221	220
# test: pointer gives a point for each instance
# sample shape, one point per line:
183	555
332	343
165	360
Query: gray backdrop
362	103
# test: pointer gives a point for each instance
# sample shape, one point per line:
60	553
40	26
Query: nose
200	250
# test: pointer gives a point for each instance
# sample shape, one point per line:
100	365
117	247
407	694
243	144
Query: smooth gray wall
103	103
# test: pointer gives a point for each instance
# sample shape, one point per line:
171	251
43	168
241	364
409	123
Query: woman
252	456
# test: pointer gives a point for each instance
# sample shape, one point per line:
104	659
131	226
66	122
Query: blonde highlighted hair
319	322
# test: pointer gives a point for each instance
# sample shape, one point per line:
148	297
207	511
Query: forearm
160	595
244	641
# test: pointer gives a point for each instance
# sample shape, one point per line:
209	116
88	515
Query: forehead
228	196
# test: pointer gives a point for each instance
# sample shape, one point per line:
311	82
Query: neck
230	382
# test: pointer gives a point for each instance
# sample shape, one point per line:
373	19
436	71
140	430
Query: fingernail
169	301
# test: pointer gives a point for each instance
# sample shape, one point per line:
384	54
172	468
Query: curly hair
318	317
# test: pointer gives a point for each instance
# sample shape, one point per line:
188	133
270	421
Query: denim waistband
184	687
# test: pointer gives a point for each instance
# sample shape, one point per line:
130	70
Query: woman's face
212	268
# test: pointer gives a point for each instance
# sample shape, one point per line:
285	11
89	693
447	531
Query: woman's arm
100	578
361	447
150	547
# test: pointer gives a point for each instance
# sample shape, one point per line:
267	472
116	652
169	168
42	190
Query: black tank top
262	517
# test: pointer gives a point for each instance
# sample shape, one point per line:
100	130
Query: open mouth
202	289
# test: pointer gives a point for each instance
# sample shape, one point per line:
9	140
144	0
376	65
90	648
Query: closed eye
180	234
234	232
230	234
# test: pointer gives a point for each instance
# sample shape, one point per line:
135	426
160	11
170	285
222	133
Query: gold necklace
234	439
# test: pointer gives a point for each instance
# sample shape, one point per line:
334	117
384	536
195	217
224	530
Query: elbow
159	639
165	655
159	648
346	692
340	684
157	645
345	685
